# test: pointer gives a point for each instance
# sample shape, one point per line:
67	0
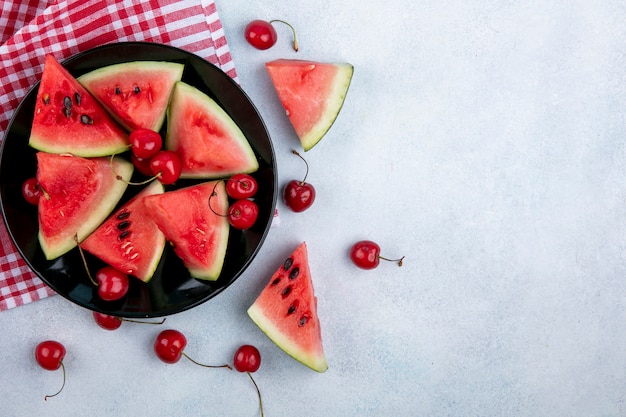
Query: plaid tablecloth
30	29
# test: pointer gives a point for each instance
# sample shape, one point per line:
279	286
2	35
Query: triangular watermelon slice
198	234
286	311
135	93
129	240
68	119
79	194
208	141
312	94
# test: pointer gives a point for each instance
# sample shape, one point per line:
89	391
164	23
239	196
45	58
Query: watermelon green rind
144	108
79	195
84	129
137	253
208	141
198	235
312	94
272	312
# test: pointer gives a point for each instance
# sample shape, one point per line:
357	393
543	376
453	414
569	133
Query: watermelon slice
198	234
68	119
129	240
207	140
286	311
312	94
79	194
135	93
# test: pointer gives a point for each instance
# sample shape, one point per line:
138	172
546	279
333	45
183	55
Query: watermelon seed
137	90
86	120
124	235
294	273
77	98
292	308
123	215
303	320
123	225
117	90
275	282
67	102
285	292
67	112
287	264
46	98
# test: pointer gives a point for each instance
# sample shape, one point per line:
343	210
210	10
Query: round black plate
171	290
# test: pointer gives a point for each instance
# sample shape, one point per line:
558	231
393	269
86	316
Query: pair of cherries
242	214
150	159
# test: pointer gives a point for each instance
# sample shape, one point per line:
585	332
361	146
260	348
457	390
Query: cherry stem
258	393
120	178
209	202
305	162
295	40
204	365
43	192
45	398
82	255
399	261
142	322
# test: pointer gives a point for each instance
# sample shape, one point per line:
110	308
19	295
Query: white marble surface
483	140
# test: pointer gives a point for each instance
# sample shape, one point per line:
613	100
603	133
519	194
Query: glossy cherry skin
365	254
242	214
112	284
298	195
107	321
261	34
145	143
241	186
247	359
169	345
31	191
167	165
142	165
49	354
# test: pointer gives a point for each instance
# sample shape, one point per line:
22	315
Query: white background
483	140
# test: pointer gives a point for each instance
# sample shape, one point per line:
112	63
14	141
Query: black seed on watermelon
294	273
123	225
304	319
86	120
117	90
123	215
287	264
77	98
124	235
275	282
286	291
67	103
293	307
137	90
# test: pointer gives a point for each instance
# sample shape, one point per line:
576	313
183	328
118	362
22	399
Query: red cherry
243	214
112	284
366	255
142	165
169	346
247	359
145	143
299	195
167	166
109	322
31	191
241	186
262	35
49	355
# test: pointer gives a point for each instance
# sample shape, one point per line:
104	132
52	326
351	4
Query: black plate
171	290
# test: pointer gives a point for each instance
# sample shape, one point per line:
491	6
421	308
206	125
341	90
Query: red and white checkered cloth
30	29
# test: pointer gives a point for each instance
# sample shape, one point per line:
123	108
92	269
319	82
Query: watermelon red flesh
286	311
198	234
207	140
135	93
129	240
79	194
312	94
68	119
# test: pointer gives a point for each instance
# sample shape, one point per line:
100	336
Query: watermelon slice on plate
79	194
135	93
208	141
129	240
67	119
198	234
312	94
286	311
